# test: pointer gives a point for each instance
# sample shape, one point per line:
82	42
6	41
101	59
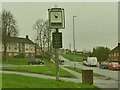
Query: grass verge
20	81
24	61
16	61
79	70
78	58
48	70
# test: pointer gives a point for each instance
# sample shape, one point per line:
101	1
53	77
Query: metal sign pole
57	60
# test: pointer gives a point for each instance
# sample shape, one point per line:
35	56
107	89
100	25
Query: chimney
27	37
8	35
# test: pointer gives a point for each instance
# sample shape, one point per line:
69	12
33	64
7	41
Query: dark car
61	61
114	66
19	56
34	61
104	65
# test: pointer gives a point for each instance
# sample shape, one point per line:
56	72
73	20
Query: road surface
108	73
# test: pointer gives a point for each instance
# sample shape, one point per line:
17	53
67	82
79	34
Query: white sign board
56	18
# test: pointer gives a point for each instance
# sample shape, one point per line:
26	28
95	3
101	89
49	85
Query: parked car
61	61
34	61
114	66
84	61
104	65
19	56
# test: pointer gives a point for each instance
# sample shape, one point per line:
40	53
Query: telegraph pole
70	47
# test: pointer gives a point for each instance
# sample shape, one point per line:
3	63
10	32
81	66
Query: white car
91	61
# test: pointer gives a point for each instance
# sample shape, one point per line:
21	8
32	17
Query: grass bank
20	81
24	61
16	61
47	70
78	58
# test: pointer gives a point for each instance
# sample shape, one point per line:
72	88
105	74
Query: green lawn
46	59
0	81
78	58
20	81
80	71
48	70
24	61
16	61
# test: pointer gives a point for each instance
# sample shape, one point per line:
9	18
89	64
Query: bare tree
44	34
48	36
43	37
9	28
38	26
0	30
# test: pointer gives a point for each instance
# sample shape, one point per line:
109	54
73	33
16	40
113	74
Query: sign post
56	46
57	39
56	21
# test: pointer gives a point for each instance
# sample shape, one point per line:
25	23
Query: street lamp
74	40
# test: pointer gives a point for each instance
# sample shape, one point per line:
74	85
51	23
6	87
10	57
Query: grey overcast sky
96	23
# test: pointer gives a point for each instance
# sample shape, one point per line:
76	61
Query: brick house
20	46
114	55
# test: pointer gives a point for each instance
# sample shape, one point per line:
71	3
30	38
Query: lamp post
74	40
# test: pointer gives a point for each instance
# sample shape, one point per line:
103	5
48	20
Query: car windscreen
115	63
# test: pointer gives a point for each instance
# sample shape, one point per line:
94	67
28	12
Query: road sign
56	18
57	39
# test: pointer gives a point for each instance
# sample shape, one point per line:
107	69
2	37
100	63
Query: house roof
20	40
116	48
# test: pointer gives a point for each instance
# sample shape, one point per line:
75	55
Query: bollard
87	76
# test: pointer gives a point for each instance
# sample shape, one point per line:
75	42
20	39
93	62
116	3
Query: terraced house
20	47
114	55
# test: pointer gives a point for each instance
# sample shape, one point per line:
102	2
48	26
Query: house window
27	55
112	54
21	49
115	54
10	54
15	48
109	55
9	48
15	44
15	54
118	53
32	55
